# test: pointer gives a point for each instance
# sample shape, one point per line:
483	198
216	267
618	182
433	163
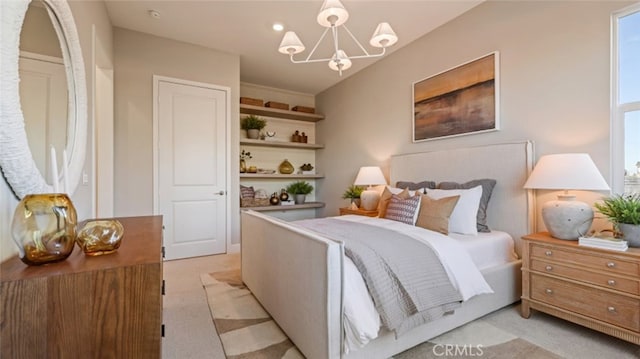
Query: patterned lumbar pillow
403	210
434	213
246	192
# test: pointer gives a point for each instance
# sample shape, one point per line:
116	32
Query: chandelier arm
315	46
334	33
308	60
357	42
368	56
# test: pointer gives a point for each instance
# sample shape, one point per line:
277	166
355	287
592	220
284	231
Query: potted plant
253	124
353	193
299	190
624	212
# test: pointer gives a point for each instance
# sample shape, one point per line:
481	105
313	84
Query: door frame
227	90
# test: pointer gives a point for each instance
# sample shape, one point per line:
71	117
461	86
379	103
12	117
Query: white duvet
362	322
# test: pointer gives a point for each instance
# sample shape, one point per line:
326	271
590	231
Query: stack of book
611	243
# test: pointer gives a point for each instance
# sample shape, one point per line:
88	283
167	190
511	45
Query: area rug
247	331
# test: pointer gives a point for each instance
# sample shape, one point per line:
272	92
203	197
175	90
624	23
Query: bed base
297	276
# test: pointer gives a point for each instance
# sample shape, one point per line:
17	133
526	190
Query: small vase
630	233
99	237
300	198
253	133
243	166
284	196
44	228
286	167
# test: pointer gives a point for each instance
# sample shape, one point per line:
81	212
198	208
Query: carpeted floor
247	331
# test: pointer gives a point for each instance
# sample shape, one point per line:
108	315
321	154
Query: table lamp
566	218
369	176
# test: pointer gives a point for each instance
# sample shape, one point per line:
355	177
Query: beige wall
138	57
87	15
554	84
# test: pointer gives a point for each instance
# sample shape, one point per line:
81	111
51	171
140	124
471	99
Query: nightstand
596	288
359	212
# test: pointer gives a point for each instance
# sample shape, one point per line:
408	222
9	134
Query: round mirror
43	89
66	132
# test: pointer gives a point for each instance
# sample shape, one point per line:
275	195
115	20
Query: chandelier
333	16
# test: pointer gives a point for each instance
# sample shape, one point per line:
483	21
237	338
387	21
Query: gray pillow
412	186
487	189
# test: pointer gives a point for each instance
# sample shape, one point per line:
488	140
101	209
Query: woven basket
254	202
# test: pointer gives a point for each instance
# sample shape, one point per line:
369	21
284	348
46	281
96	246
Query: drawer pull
549	291
548	268
611	309
611	265
611	282
548	253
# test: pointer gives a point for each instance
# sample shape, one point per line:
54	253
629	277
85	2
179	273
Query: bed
298	275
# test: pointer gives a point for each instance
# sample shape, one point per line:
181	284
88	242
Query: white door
191	172
43	98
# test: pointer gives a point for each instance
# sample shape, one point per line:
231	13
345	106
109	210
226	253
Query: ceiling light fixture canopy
333	15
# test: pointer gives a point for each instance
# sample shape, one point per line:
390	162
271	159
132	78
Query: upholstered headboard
510	208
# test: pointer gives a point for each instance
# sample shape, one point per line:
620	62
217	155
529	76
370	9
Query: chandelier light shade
332	13
291	44
369	176
567	218
333	16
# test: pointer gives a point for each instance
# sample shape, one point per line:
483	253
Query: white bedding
463	258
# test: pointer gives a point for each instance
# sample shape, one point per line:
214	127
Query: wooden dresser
108	306
597	288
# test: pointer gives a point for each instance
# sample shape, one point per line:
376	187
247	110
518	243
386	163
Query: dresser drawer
603	279
597	261
607	307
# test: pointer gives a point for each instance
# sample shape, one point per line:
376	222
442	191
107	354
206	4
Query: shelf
280	144
274	112
306	205
279	176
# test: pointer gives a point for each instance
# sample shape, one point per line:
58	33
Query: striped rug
247	331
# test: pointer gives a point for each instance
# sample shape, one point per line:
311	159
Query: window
625	129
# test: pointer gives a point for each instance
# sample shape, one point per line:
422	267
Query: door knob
221	193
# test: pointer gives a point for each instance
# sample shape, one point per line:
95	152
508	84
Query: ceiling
244	28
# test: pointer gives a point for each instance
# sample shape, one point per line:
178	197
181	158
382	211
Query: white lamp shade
384	36
342	62
566	171
290	44
332	13
370	176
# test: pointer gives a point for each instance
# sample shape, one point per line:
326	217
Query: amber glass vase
44	228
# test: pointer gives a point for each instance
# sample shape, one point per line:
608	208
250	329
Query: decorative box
251	101
254	202
304	109
278	105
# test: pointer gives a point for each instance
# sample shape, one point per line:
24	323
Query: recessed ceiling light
154	14
278	26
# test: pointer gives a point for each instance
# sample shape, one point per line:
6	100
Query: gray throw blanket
405	278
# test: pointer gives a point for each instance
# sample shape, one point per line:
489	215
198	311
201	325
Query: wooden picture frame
460	101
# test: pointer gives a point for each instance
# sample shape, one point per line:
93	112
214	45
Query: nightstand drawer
579	274
608	307
599	262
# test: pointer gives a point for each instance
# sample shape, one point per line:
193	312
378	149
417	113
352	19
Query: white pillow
464	216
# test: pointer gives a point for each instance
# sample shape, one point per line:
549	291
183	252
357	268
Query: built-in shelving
274	112
281	144
279	176
287	115
307	205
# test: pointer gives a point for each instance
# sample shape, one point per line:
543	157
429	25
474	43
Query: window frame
618	111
